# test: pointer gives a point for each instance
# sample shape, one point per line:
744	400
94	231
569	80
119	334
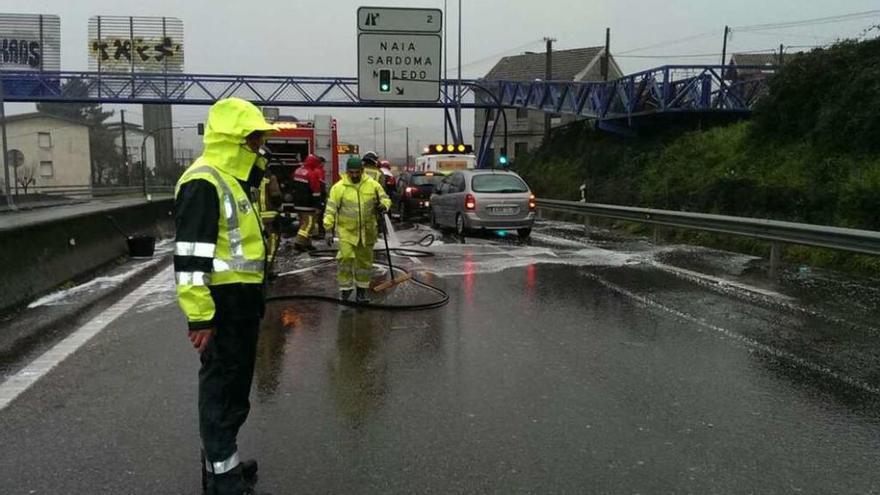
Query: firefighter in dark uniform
219	264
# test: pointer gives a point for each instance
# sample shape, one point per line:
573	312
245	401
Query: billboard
135	44
30	42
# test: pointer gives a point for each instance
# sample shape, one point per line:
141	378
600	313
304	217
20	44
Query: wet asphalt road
566	366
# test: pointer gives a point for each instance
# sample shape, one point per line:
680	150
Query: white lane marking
739	338
39	367
731	287
720	282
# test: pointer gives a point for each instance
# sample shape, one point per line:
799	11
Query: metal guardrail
98	191
852	240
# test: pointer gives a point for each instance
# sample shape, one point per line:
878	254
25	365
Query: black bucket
141	246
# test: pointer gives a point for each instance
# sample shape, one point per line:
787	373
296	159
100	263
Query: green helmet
354	163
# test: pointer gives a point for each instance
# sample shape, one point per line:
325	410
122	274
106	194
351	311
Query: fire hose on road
330	254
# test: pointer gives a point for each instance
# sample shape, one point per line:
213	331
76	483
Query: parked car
414	191
470	200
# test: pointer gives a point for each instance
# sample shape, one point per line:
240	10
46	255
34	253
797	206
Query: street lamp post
144	150
374	119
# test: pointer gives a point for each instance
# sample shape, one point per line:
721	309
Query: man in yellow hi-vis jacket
219	265
353	208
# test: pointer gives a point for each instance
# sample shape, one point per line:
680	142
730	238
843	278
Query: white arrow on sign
399	20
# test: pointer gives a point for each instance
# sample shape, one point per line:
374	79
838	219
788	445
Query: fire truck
299	138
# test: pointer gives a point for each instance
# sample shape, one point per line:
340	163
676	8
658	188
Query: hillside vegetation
810	153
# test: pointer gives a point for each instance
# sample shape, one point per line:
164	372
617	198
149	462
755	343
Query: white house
45	150
134	139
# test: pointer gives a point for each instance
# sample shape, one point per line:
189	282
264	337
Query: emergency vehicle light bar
442	149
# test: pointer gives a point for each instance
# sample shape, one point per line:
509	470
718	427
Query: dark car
414	191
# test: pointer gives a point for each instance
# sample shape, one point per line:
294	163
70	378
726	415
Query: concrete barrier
37	257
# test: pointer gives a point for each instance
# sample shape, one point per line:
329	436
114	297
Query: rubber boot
231	483
362	295
345	294
248	471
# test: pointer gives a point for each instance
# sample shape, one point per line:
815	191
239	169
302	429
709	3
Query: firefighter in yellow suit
353	209
220	265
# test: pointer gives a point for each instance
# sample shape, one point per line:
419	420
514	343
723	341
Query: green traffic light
503	160
385	80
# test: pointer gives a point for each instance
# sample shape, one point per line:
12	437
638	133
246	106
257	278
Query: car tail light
533	203
410	190
470	203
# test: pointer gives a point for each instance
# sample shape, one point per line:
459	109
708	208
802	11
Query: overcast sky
318	37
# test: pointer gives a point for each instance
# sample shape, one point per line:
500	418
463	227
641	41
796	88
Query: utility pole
7	187
124	148
445	75
721	92
548	76
606	59
406	165
781	54
724	51
459	92
374	119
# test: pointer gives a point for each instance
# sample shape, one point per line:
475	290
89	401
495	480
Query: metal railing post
7	186
775	258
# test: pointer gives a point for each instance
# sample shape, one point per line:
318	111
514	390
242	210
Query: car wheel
460	229
524	233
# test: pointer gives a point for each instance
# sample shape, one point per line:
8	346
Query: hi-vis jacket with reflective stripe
219	234
374	173
352	208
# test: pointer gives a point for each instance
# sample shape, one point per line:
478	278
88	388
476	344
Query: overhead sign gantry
399	54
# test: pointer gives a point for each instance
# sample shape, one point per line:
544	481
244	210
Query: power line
777	34
494	56
669	42
368	134
810	22
753	29
699	55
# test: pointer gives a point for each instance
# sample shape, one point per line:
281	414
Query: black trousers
227	372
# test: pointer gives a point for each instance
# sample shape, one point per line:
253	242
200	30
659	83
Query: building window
44	139
522	113
47	169
520	148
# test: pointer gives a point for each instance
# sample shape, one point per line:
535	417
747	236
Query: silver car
468	200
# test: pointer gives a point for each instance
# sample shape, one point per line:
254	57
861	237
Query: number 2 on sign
430	19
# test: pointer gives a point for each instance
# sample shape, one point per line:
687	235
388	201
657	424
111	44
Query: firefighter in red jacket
307	193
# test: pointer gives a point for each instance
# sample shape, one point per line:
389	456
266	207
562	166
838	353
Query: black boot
345	294
248	472
231	483
362	296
